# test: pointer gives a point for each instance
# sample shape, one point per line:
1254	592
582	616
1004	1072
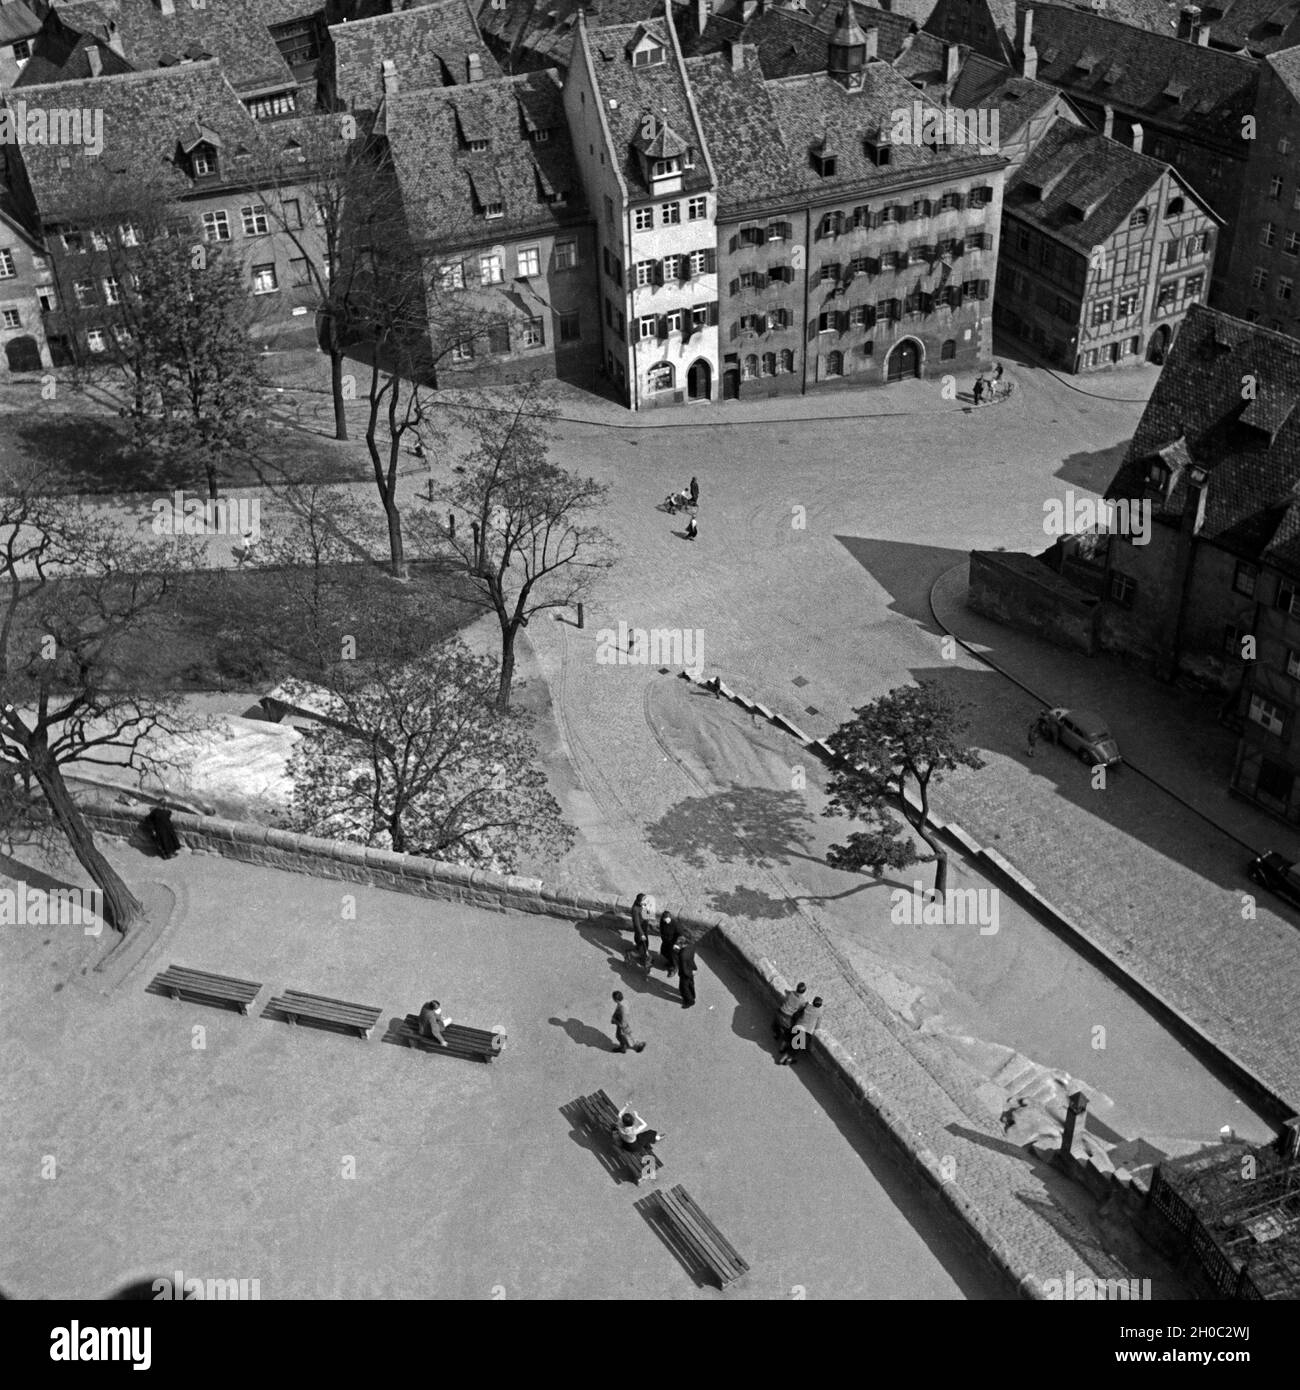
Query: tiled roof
815	108
630	95
444	185
1251	448
232	30
146	117
1081	171
741	126
544	28
430	45
55	59
17	22
985	84
1260	26
1287	67
1133	70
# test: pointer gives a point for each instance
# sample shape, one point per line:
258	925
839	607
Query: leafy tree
201	364
418	761
526	541
908	738
75	596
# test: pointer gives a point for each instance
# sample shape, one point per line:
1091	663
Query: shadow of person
584	1034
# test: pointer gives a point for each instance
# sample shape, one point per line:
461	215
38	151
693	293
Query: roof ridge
1046	7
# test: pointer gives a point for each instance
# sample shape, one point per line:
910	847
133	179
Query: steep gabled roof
429	44
17	22
1249	447
631	97
982	83
740	123
1140	73
1082	187
445	186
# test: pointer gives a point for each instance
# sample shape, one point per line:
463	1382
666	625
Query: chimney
1025	30
1137	137
873	44
748	10
1029	63
115	39
701	15
951	63
167	7
737	56
390	77
1108	125
1189	21
95	59
474	67
1203	35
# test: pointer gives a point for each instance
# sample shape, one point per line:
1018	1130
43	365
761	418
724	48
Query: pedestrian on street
806	1023
622	1022
794	1000
997	373
1033	735
979	390
695	492
245	553
668	938
692	530
686	972
640	952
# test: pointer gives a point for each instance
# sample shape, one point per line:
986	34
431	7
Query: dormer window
479	146
1157	474
877	151
540	136
203	161
648	55
824	163
493	210
665	168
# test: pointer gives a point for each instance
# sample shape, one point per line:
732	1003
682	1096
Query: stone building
1215	595
1104	251
1262	282
26	293
651	186
487	171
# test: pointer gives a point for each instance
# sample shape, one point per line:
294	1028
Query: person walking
668	938
692	530
686	972
622	1022
248	543
695	492
806	1023
979	390
793	1002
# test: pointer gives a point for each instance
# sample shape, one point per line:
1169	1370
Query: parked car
1278	875
1082	732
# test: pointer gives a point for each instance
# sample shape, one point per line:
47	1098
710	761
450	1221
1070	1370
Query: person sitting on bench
633	1132
432	1022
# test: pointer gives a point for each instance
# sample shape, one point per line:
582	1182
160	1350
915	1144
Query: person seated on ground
793	1003
806	1022
633	1132
432	1022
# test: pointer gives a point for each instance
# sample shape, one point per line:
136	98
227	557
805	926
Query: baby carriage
677	501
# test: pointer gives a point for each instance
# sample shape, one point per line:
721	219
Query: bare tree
527	541
75	596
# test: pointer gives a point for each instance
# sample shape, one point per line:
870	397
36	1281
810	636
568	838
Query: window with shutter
734	332
735	287
760	281
710	261
760	323
661	327
713	312
732	244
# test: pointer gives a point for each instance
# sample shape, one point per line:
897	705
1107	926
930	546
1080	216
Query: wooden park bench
676	1208
598	1114
202	987
474	1044
318	1011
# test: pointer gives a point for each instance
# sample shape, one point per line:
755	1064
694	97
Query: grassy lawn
80	445
233	629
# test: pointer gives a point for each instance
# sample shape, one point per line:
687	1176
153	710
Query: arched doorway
731	384
699	381
1158	348
23	355
904	360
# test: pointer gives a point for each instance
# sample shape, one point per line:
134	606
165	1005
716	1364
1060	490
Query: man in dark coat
695	493
685	953
668	938
640	952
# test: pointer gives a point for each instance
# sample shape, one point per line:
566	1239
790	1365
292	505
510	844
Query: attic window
479	146
877	151
1174	208
1086	62
541	135
648	55
665	168
203	161
1175	91
1112	75
493	210
824	163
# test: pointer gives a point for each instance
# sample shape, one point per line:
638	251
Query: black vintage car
1278	875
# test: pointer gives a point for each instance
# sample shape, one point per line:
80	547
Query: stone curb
1261	1095
288	850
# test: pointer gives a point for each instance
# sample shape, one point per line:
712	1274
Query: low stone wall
1020	591
287	850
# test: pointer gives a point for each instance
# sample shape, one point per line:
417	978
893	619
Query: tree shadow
746	825
584	1034
749	902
